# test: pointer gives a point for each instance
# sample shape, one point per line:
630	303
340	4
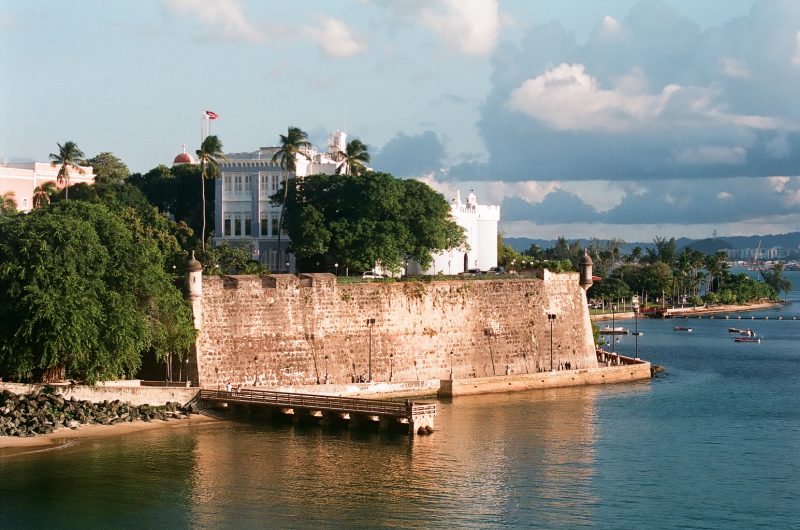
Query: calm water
713	443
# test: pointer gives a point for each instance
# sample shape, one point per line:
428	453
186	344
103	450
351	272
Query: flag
211	115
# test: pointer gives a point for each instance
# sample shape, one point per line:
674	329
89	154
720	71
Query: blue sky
619	118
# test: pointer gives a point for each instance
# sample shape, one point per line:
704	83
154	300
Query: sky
632	119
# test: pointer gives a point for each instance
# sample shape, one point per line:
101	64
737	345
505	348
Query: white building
22	179
479	222
244	212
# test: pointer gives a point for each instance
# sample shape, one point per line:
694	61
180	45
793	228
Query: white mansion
245	214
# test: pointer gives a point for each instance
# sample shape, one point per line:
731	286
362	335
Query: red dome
183	158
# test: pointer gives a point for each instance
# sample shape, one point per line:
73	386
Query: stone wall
291	330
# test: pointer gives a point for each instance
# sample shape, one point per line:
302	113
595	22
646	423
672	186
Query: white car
371	275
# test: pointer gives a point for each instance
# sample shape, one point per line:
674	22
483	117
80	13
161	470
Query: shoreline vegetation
692	311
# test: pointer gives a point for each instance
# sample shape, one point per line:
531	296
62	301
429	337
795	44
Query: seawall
282	330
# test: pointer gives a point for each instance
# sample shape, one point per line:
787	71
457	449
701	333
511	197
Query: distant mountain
790	241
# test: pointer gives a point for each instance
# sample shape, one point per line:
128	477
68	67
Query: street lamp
391	366
337	268
635	303
370	322
287	266
451	365
326	369
551	317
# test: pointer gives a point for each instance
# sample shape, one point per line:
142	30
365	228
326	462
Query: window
226	229
264	186
275	221
248	225
273	260
237	184
264	226
237	226
247	183
275	179
226	183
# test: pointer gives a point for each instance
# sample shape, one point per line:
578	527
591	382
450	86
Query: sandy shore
14	445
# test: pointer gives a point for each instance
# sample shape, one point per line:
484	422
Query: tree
664	252
84	295
776	279
43	194
360	220
68	155
108	168
293	144
8	204
208	154
609	290
356	158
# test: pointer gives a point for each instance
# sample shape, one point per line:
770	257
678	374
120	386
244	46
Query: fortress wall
279	329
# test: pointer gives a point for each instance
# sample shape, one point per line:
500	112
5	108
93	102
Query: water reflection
516	459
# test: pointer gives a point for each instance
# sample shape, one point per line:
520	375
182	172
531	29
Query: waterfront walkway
328	410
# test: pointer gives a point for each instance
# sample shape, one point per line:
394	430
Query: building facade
479	222
23	179
244	212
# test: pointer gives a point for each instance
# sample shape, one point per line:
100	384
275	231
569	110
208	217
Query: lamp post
370	322
287	266
391	366
337	268
326	369
451	366
551	317
613	337
635	304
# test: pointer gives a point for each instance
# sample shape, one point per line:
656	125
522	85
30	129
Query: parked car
496	270
471	272
371	275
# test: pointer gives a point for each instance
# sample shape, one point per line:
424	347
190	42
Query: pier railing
376	407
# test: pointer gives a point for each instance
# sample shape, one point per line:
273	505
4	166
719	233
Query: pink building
22	179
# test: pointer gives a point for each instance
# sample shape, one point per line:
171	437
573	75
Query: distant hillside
790	241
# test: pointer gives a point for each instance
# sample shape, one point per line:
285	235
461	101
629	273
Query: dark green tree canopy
108	168
360	220
83	295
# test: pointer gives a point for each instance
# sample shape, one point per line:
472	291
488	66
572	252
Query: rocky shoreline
43	412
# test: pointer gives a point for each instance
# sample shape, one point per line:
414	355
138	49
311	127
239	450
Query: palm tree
356	158
68	155
294	143
8	204
210	151
42	194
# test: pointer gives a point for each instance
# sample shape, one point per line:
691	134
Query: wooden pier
329	410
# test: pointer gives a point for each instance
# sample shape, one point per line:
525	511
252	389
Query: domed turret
585	268
183	158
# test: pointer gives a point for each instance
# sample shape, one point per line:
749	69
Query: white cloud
335	39
724	196
8	22
711	154
568	98
468	25
735	69
778	183
224	18
611	24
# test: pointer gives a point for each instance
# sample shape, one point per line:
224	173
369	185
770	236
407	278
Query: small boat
734	330
747	333
747	339
682	328
608	330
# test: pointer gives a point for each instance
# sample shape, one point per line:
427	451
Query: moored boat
747	333
734	330
683	328
747	339
608	330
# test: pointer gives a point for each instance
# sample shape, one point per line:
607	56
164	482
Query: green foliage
69	155
361	220
742	289
356	158
84	294
8	204
776	279
108	169
609	289
230	259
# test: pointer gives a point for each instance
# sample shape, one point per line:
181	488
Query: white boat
608	330
682	328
